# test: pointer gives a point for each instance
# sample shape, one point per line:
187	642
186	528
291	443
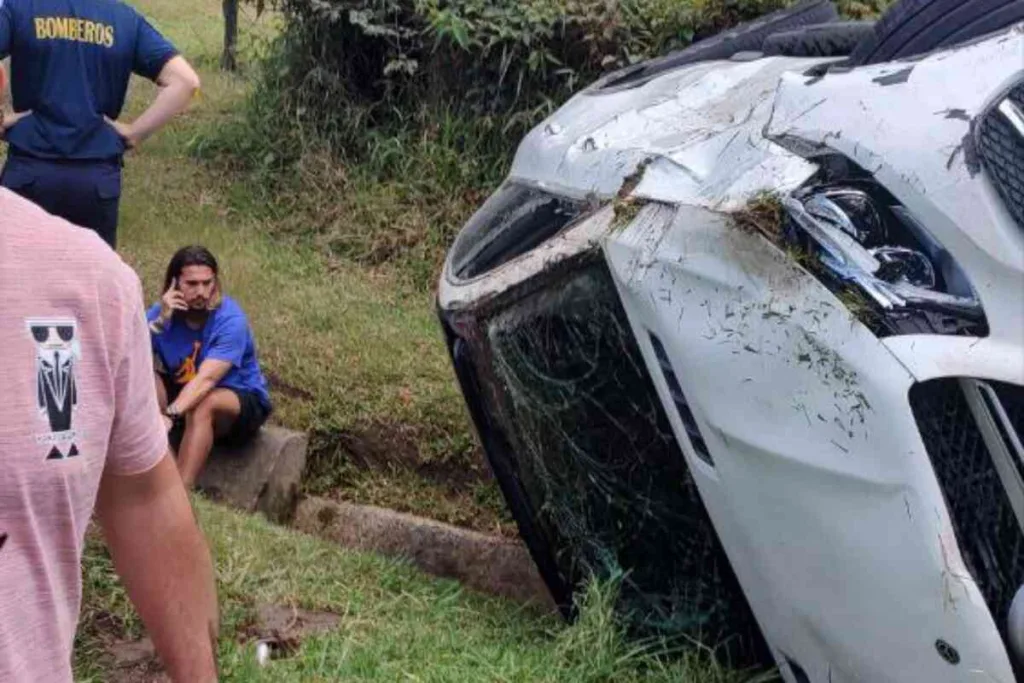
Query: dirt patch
129	654
382	464
278	630
106	626
136	662
381	447
280	386
373	446
150	672
288	625
281	627
132	661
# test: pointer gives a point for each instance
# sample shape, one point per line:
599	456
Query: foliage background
427	99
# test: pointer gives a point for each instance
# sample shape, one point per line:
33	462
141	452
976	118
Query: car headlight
861	240
513	221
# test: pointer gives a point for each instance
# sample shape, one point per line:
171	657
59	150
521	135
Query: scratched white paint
702	126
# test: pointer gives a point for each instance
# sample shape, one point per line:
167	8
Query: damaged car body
747	334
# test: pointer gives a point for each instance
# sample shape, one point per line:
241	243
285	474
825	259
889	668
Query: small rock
286	623
127	654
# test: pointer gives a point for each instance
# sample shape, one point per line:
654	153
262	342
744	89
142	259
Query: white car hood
699	127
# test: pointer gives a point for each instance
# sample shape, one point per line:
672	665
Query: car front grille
693	434
962	423
1001	148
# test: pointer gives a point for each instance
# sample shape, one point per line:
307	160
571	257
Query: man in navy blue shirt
71	61
208	376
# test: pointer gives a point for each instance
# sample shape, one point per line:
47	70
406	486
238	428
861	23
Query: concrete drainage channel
265	477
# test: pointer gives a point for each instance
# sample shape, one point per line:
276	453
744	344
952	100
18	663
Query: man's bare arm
7	119
211	372
165	564
178	83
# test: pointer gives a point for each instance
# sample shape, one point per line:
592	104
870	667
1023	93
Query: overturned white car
745	329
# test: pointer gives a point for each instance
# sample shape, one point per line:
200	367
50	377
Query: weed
764	215
862	309
863	9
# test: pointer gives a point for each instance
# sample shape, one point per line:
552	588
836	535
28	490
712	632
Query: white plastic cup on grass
262	653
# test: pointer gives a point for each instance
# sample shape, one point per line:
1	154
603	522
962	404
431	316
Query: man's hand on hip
9	120
126	131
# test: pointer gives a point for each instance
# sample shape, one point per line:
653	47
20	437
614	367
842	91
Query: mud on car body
744	329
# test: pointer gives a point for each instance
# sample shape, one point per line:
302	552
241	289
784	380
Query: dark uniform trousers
83	192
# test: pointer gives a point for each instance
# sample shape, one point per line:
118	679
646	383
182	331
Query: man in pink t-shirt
80	430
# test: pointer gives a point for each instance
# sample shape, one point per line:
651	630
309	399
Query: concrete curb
262	476
489	564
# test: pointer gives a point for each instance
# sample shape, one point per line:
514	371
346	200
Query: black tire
837	39
915	27
749	36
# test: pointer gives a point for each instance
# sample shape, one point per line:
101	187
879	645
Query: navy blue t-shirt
225	336
71	61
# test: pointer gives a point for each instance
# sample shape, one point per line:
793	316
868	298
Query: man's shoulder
230	311
230	306
231	318
39	241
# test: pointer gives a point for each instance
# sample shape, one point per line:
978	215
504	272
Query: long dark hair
193	255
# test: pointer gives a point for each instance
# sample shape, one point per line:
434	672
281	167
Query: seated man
208	378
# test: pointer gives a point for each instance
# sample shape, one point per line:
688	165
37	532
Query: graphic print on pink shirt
57	353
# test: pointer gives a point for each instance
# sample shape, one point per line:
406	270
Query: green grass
352	352
396	624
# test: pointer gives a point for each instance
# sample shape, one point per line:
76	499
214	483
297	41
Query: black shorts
252	417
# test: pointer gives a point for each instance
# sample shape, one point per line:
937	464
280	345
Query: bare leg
161	391
162	400
212	417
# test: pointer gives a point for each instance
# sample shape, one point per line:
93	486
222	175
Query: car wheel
745	37
914	27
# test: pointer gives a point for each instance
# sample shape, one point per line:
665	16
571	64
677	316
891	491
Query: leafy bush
349	66
431	96
863	9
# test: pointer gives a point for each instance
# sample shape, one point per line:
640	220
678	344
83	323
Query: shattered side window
514	220
603	474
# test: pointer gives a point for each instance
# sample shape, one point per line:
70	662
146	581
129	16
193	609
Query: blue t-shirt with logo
226	336
71	61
